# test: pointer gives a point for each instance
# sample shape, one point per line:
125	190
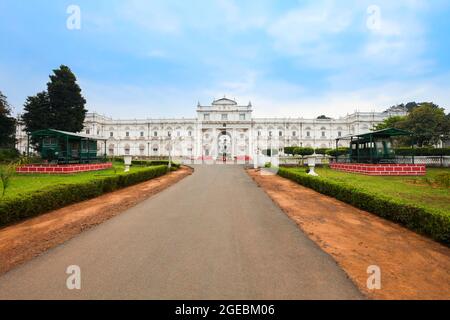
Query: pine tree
38	113
66	102
7	124
61	107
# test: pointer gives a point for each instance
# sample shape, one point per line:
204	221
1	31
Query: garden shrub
150	163
8	155
322	150
433	223
337	152
55	197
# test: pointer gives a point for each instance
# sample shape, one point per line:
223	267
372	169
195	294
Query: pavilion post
67	149
88	145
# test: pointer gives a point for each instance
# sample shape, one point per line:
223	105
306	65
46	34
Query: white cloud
155	15
305	30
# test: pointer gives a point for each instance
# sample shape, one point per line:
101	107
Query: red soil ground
412	266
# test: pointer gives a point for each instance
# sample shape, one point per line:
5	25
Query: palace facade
223	128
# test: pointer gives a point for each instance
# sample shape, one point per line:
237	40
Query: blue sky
139	58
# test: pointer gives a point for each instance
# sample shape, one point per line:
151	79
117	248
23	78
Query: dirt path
23	241
412	266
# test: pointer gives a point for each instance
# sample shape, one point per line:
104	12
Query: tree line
426	120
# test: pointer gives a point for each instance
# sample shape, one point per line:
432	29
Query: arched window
308	132
142	149
127	149
111	132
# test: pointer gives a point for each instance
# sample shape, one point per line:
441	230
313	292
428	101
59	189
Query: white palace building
223	128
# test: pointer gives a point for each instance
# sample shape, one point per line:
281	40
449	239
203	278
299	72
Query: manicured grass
27	183
419	191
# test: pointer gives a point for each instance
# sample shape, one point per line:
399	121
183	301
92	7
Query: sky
158	59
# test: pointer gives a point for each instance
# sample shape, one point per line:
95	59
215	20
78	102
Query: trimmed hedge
55	197
422	151
152	163
433	223
338	152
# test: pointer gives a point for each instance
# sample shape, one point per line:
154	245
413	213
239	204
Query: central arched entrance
224	145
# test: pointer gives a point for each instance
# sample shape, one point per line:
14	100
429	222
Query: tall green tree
66	102
429	123
37	112
392	122
61	107
7	124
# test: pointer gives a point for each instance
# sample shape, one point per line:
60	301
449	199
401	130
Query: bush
422	151
303	151
289	150
322	150
55	197
152	163
337	152
433	223
8	155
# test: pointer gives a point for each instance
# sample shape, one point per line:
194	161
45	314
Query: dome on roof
224	101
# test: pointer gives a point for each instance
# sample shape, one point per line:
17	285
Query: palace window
280	133
189	133
339	134
111	134
127	134
88	131
155	133
111	149
259	133
142	133
224	117
294	133
323	134
308	134
242	117
127	149
206	117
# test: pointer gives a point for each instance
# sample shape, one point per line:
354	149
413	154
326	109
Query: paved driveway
214	235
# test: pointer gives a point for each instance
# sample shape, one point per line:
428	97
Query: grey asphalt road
214	235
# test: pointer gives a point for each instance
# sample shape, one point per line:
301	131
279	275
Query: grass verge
398	199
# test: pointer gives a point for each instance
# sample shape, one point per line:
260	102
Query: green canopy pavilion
56	146
373	147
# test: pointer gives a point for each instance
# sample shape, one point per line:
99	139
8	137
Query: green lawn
421	191
25	183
